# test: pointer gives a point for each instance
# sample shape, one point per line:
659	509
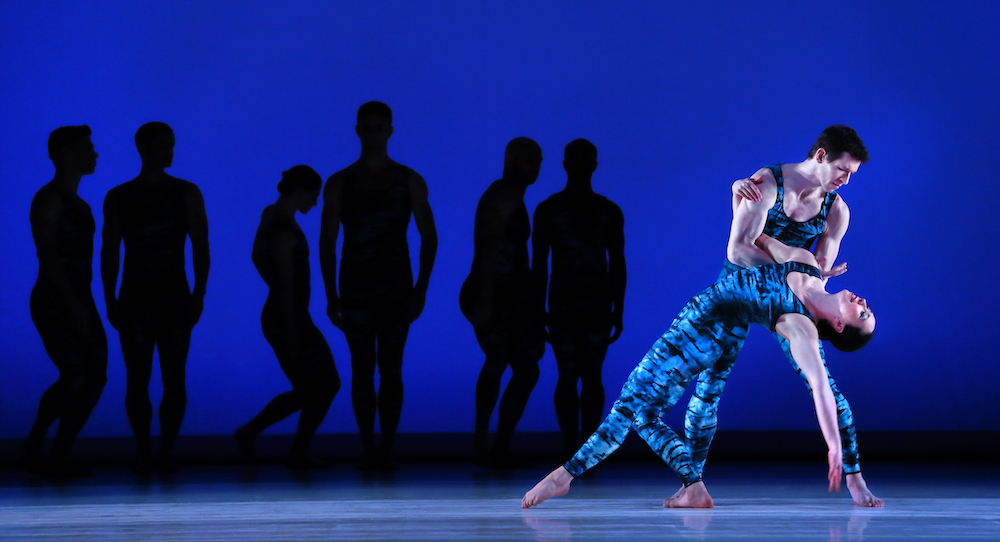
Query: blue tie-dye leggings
701	418
654	386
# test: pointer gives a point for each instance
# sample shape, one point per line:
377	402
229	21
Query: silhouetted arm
541	243
283	243
44	216
329	230
803	342
424	220
749	218
111	241
828	243
494	211
200	260
616	270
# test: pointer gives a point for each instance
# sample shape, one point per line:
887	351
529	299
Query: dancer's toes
553	485
694	496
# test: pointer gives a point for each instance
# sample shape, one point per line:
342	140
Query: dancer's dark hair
838	139
65	136
147	132
299	177
849	340
374	108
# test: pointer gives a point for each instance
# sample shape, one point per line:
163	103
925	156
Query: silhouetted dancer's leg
360	335
391	343
591	395
173	348
524	376
82	361
137	352
567	399
487	394
579	342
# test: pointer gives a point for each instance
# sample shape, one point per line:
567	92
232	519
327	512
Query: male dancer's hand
618	327
418	298
834	271
836	472
114	312
747	189
196	309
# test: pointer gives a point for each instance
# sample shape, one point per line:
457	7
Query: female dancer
789	298
281	255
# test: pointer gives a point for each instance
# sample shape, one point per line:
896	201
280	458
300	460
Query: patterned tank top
759	295
788	231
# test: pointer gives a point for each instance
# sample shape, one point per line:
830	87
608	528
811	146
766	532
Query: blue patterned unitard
704	330
701	418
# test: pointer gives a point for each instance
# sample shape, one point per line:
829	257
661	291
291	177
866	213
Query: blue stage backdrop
681	98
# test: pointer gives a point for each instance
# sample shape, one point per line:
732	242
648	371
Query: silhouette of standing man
498	300
154	214
585	232
62	304
374	198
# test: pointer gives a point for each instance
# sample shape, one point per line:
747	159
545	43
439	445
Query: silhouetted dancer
62	305
374	198
154	214
585	232
281	256
498	301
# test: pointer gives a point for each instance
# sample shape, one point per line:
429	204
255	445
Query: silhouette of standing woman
497	299
374	198
585	232
281	256
154	214
62	305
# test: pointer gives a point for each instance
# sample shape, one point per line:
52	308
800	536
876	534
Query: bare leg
694	496
860	493
553	485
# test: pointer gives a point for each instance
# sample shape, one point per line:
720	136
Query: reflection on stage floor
434	501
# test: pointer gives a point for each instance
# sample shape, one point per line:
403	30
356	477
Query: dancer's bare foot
694	496
553	485
674	496
860	493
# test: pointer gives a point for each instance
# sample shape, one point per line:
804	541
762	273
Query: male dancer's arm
283	243
424	220
616	270
328	232
828	243
749	219
494	211
44	218
111	240
541	243
200	259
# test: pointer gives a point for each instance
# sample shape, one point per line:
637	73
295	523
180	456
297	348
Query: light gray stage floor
618	501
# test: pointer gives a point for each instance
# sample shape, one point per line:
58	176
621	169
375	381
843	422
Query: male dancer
374	198
791	300
62	305
585	232
154	214
796	204
498	300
